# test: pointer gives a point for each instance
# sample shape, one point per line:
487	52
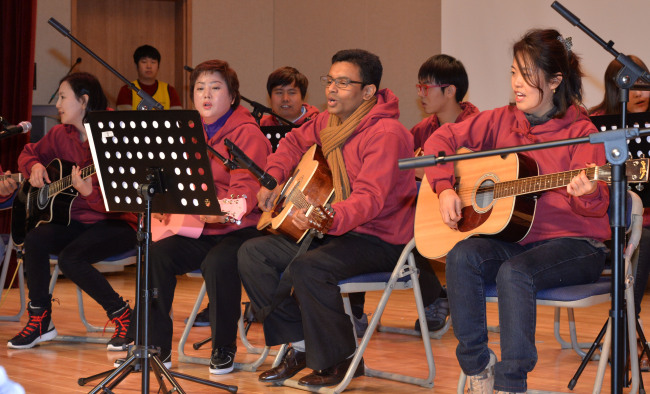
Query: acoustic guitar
51	203
499	202
190	226
309	187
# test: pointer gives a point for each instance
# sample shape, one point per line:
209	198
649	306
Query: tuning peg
639	187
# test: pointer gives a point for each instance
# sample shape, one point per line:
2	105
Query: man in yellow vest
147	62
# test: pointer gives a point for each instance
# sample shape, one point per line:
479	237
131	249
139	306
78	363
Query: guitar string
522	186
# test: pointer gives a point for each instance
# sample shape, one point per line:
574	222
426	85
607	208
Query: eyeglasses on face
423	88
341	82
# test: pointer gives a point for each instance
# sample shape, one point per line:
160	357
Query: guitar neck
66	182
544	182
16	177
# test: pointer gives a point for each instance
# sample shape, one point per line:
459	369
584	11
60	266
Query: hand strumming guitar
266	197
450	208
38	175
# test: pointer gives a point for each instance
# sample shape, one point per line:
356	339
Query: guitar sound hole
485	194
42	197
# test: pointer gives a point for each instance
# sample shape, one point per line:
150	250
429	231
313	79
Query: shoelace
34	320
120	323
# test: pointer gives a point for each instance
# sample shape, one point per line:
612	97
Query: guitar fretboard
66	182
545	182
16	177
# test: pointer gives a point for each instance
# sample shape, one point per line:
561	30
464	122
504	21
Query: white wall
481	34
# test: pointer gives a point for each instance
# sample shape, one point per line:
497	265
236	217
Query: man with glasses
362	139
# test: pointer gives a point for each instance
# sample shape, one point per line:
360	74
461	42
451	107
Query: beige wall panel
239	32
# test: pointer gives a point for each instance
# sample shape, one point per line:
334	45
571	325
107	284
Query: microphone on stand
20	128
68	73
246	163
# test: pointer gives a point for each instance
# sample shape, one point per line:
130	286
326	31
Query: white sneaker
483	382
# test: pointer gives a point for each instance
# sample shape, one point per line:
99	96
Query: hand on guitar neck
9	183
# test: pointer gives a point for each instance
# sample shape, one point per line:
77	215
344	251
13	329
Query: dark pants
77	246
642	270
216	256
323	323
519	273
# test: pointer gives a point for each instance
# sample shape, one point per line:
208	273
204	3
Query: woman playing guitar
92	234
564	245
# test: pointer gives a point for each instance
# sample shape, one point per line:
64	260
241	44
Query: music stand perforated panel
126	145
275	134
638	147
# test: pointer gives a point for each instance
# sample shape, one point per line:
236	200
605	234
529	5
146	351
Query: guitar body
506	218
176	224
313	178
32	206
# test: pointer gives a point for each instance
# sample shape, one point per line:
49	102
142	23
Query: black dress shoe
332	375
292	363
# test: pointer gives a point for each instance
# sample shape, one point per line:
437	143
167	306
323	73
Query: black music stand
276	133
150	162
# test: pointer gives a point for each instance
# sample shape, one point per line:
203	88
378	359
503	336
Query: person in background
147	63
564	245
639	101
287	88
92	235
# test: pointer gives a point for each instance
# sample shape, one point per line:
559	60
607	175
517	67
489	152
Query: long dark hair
611	103
86	83
546	50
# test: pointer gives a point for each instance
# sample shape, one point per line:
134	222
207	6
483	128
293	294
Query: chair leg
21	282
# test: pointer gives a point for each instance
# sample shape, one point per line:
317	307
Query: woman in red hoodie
92	235
216	96
564	245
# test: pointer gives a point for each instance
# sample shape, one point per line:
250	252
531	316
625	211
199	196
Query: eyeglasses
341	82
423	88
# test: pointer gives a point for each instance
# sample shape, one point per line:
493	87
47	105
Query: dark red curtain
18	26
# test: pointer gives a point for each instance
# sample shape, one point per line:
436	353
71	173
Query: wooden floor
54	367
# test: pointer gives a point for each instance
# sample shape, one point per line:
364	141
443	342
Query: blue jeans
519	272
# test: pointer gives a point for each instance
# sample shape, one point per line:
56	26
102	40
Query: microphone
188	68
20	128
574	20
246	163
68	73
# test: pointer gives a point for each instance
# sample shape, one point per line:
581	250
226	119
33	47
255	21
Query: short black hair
445	69
86	83
146	51
284	76
368	63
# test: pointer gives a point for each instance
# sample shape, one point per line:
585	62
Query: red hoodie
558	214
310	113
382	197
427	126
242	130
63	142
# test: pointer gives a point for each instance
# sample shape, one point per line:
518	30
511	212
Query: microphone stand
147	101
66	74
625	79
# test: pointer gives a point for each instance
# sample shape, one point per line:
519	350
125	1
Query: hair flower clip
567	42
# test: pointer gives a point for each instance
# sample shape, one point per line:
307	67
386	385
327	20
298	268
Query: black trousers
216	256
77	246
316	314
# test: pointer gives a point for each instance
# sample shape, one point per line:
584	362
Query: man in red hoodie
287	88
373	202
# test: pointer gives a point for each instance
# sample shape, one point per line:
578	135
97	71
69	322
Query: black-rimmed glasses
341	82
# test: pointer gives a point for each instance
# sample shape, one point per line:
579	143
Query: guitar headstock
234	208
636	170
